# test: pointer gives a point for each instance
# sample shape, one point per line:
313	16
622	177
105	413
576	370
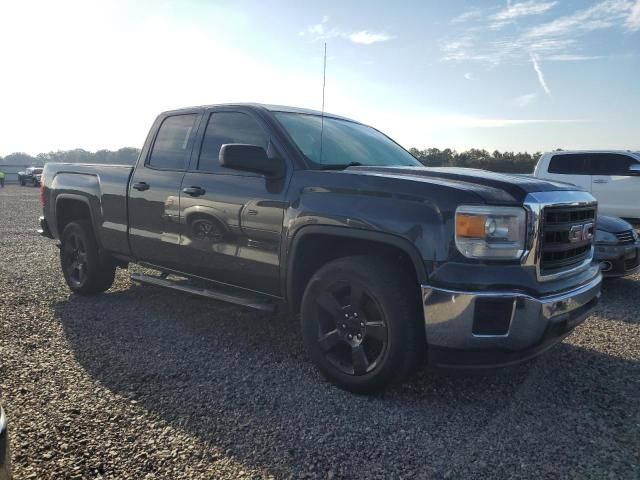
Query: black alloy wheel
361	324
74	259
85	270
352	331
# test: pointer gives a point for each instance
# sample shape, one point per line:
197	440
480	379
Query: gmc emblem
581	233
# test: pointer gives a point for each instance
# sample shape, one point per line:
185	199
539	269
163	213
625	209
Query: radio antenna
324	81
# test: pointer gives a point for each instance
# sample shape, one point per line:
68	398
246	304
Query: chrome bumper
534	325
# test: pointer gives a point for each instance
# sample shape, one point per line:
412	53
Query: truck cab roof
263	107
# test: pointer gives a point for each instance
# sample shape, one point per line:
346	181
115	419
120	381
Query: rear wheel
83	269
360	323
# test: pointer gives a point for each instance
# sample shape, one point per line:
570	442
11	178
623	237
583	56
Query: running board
250	302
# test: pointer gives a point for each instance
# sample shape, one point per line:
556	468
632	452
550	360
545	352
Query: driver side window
228	127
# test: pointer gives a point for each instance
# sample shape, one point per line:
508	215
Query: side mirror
250	158
634	170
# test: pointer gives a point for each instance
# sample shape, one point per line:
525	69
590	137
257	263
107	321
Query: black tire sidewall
388	286
97	272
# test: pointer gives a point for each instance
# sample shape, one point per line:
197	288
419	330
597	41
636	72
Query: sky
530	75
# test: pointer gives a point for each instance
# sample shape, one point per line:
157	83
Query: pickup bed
386	262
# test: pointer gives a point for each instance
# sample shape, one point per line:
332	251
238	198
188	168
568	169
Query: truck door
617	192
154	192
231	220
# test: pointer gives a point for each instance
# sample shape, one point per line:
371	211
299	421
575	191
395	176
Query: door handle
600	180
141	186
194	191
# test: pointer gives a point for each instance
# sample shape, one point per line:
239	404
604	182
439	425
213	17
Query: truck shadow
239	381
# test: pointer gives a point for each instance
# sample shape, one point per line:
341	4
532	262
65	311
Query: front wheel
360	323
85	272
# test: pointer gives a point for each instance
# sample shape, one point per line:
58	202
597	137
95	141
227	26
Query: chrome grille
625	237
566	237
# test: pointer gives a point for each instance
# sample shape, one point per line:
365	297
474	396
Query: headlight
490	232
606	237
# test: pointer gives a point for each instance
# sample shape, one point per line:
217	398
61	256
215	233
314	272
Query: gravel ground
144	383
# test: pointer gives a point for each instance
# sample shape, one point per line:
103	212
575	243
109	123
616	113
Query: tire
83	269
361	324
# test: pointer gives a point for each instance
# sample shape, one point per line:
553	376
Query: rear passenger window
570	164
611	164
228	127
173	143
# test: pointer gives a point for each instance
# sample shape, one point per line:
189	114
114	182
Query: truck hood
491	186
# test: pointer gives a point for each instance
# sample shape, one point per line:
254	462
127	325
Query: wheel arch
70	207
336	242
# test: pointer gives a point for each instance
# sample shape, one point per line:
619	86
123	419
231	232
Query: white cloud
317	29
525	100
517	10
468	76
633	20
365	37
557	40
472	14
320	31
605	14
541	79
567	57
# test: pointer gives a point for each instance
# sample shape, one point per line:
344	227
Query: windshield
344	143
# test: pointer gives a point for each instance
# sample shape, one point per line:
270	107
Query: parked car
613	177
617	247
31	176
386	261
5	457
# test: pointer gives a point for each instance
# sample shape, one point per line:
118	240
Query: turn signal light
470	226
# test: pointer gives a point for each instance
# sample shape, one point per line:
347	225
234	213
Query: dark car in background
5	459
31	176
617	247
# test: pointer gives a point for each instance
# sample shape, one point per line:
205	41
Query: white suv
613	177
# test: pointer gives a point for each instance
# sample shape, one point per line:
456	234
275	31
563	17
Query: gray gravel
144	383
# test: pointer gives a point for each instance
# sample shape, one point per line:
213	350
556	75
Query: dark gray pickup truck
386	262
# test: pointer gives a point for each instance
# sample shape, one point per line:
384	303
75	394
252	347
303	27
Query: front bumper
454	323
618	260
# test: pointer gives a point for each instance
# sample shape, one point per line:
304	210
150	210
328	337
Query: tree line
509	162
123	156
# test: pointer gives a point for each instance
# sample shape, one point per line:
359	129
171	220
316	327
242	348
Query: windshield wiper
339	166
